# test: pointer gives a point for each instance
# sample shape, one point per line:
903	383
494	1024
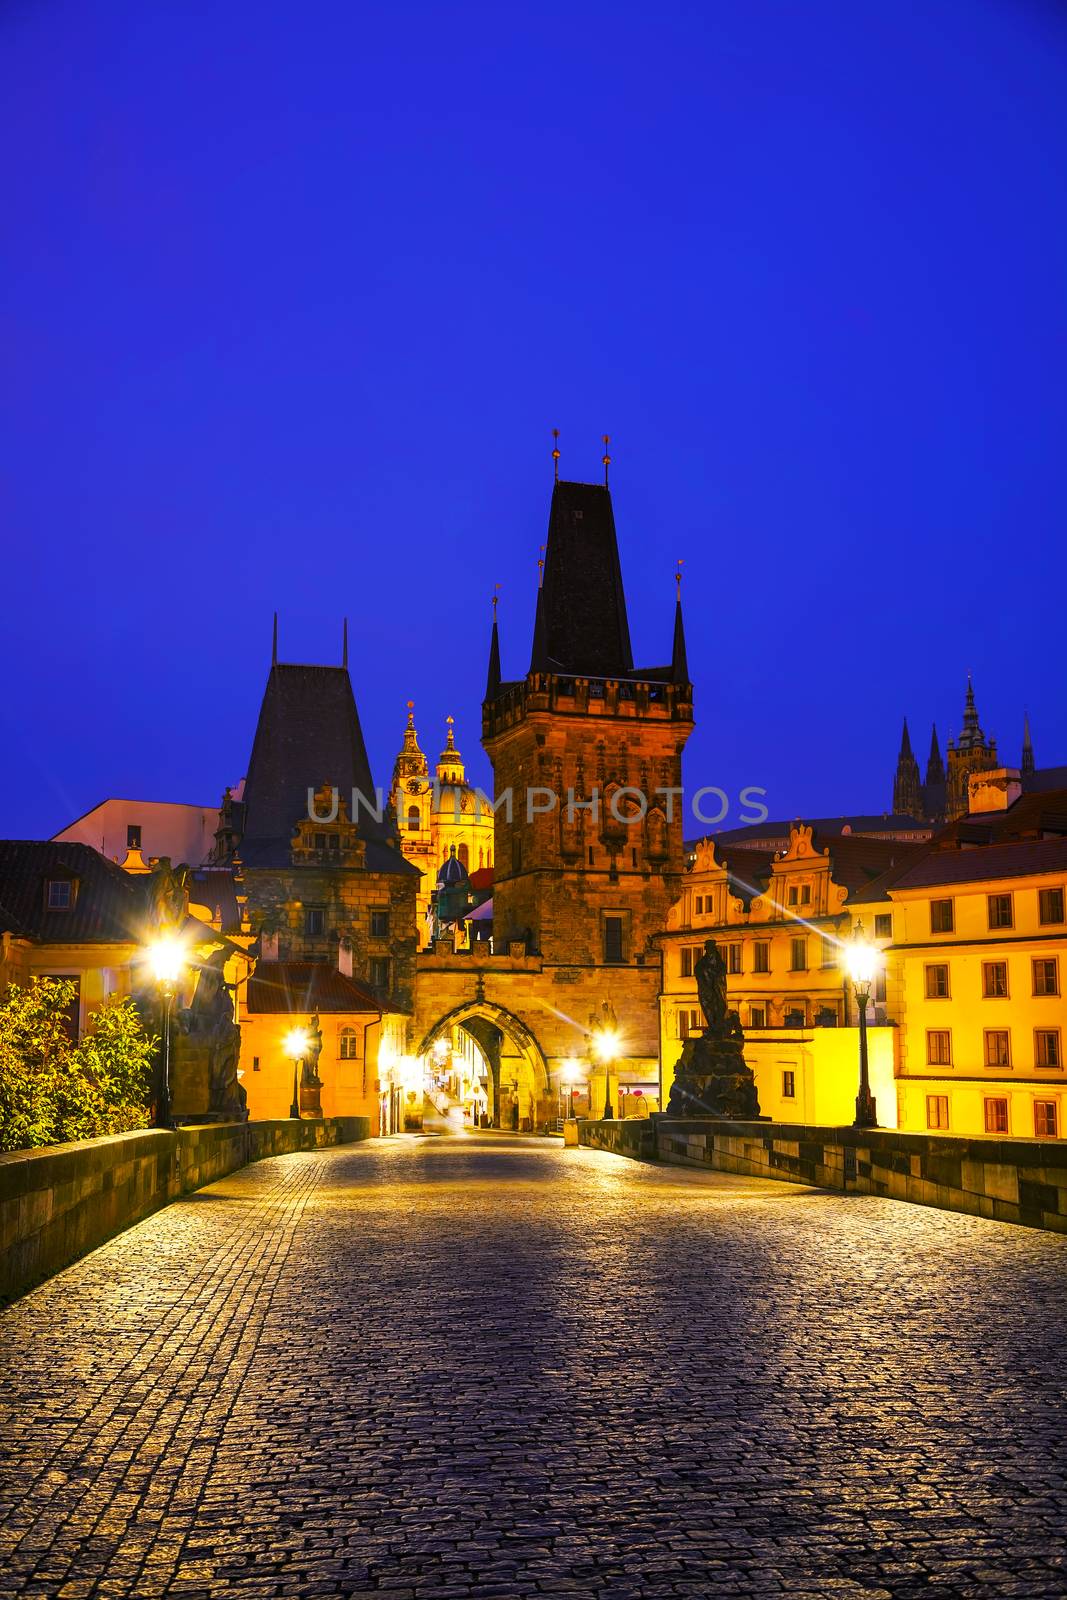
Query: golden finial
555	453
450	743
496	599
607	458
678	575
411	713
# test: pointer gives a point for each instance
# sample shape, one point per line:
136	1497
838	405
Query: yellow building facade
781	920
977	953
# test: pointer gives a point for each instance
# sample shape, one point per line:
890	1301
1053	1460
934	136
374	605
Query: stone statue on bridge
712	1078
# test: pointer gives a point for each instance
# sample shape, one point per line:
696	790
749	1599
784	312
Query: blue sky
291	300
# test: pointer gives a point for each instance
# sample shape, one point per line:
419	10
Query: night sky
292	297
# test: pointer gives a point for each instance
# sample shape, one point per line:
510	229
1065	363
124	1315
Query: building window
937	981
1046	976
789	1085
997	1047
255	1063
320	841
996	1116
690	954
879	987
757	1016
60	894
463	856
133	838
1050	905
761	957
937	1110
1000	911
883	925
995	980
1045	1119
798	955
613	940
689	1023
379	924
829	952
347	1045
413	819
938	1047
733	958
379	972
1047	1047
792	894
942	919
314	921
805	894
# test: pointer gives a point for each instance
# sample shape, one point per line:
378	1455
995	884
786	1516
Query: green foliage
53	1090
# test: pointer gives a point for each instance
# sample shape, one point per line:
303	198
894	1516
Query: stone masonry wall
59	1202
1007	1180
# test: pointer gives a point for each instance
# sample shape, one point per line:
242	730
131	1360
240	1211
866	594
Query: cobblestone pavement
489	1366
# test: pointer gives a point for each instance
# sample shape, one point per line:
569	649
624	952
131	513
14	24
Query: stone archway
519	1086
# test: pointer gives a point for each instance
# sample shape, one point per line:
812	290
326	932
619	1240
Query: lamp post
166	958
296	1046
606	1047
861	959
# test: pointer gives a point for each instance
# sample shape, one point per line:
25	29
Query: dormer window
59	894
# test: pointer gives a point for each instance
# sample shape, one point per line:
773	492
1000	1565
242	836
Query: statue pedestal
310	1101
712	1080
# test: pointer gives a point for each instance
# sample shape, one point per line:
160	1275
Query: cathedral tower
907	789
586	752
973	752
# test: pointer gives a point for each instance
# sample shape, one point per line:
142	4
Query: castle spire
1027	764
907	787
935	767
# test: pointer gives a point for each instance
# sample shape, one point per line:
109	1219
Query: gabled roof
871	826
110	906
305	986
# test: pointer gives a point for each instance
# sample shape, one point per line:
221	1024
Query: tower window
314	921
379	972
613	939
379	924
413	819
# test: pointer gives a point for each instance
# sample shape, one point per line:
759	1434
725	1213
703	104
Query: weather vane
607	458
678	575
555	453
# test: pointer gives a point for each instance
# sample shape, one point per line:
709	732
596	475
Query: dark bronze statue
712	1078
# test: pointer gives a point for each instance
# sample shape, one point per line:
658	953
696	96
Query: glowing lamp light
570	1072
606	1043
166	958
297	1044
862	960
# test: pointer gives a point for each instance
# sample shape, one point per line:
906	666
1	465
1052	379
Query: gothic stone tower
590	748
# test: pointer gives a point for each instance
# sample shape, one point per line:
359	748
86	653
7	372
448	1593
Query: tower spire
907	787
492	682
679	661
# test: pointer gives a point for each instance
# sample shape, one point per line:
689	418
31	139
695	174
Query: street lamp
606	1044
862	960
166	958
296	1045
568	1082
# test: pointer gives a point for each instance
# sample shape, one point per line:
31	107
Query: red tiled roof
305	986
482	878
1022	858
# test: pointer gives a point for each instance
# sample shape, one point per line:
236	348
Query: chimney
994	790
268	946
344	957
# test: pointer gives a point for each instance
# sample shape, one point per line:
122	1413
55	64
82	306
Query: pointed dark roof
905	742
679	661
582	601
492	681
308	735
935	767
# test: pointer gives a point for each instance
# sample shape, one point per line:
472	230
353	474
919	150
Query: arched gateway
503	1057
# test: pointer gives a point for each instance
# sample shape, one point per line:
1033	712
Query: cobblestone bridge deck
487	1366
